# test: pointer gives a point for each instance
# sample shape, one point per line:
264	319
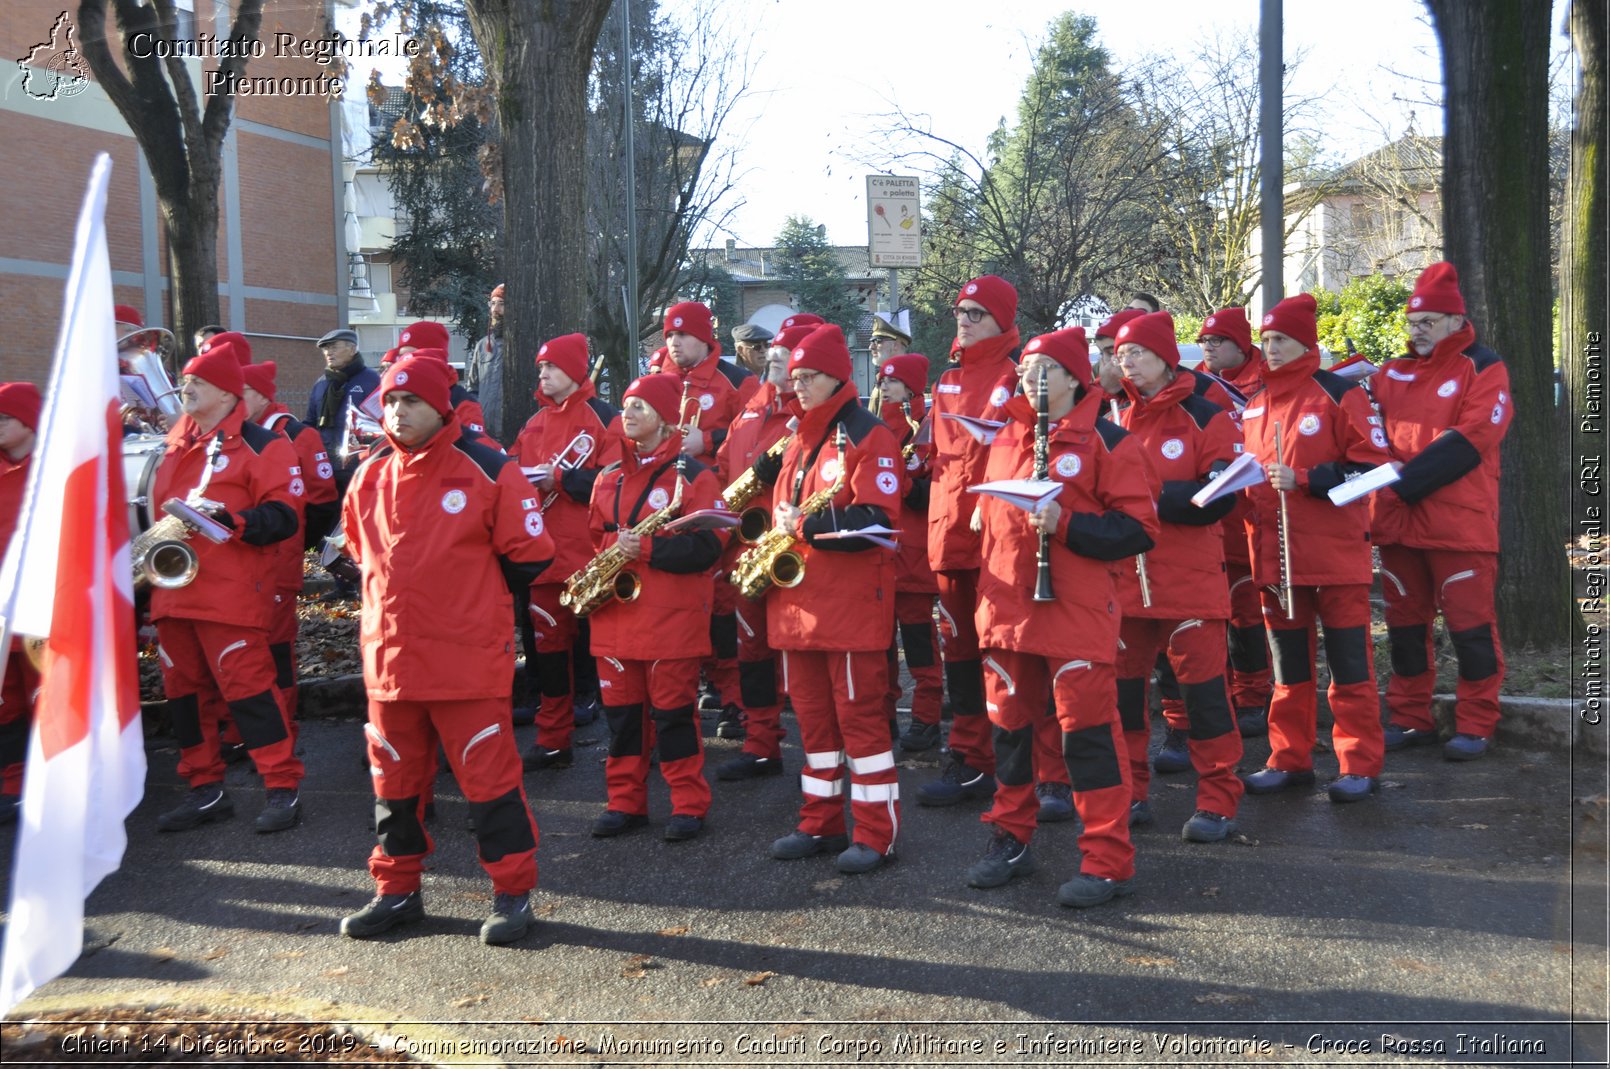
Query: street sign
894	221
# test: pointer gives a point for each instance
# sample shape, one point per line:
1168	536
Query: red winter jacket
252	478
711	389
1248	380
442	533
13	481
846	600
1446	415
912	574
1184	439
548	434
670	619
763	420
1326	436
1107	515
969	387
319	502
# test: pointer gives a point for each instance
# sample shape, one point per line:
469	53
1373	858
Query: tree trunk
193	264
1582	260
1496	232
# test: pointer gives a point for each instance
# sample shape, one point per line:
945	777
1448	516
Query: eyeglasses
1425	322
1213	342
974	315
804	378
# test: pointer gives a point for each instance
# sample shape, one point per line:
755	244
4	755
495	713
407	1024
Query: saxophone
740	495
161	556
605	578
773	560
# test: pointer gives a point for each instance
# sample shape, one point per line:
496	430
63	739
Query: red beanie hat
997	295
497	292
692	318
1437	290
20	401
427	379
1110	328
1068	347
568	353
425	334
662	392
799	319
220	366
909	368
1154	331
260	377
127	313
789	337
1294	317
1228	323
823	350
243	348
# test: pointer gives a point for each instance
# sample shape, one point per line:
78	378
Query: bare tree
1395	196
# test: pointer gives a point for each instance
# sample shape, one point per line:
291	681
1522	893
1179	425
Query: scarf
335	392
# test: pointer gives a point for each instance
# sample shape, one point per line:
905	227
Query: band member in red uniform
649	648
1324	561
444	528
1185	604
835	625
214	632
569	439
430	338
1059	650
19	416
981	358
1446	406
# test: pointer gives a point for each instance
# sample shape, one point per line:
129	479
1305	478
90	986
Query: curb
1536	723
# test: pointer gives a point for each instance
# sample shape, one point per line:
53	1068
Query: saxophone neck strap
637	510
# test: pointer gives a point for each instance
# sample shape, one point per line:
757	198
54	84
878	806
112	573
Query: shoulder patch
733	373
489	460
605	411
1482	357
1200	409
1334	385
858	422
257	438
1112	434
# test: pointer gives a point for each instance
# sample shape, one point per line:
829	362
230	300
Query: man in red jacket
19	415
1185	606
835	625
1326	437
1446	407
649	648
982	355
444	528
1060	651
567	441
214	631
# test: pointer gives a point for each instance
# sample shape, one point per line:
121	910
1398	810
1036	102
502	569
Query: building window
184	19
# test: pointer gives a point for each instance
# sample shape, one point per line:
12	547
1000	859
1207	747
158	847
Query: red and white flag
66	579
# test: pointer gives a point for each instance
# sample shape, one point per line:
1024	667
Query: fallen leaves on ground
471	1000
1149	961
215	953
680	929
637	967
1414	965
758	979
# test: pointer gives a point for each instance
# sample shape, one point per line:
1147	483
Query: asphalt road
1463	901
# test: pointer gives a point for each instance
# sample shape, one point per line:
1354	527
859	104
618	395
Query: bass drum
141	455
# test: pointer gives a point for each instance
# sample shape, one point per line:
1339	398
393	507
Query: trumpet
605	577
571	457
773	560
741	493
161	556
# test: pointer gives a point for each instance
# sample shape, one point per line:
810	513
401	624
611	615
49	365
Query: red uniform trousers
211	670
838	701
757	679
1354	702
651	703
282	628
1249	643
964	671
1195	650
1419	583
17	694
478	737
1021	688
914	624
555	628
721	667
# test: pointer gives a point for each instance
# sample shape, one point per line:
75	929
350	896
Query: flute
1042	471
1285	540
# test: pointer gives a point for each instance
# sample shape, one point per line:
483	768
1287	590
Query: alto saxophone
741	494
605	578
773	560
160	555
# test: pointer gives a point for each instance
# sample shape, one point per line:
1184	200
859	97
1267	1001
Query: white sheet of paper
1026	494
982	430
876	532
1368	483
1244	471
1357	370
704	520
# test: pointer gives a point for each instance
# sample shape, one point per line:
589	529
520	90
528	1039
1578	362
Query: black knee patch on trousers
1014	756
1249	649
1167	685
1132	704
185	716
14	741
1477	653
583	669
918	640
1091	759
757	683
965	682
258	719
1294	662
502	826
1207	707
397	827
553	674
284	655
678	735
1408	650
625	730
724	636
1347	651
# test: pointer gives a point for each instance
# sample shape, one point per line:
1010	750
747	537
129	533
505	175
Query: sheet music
1371	481
1026	494
982	430
1244	471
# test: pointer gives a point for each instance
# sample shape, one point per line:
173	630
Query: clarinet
1042	471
